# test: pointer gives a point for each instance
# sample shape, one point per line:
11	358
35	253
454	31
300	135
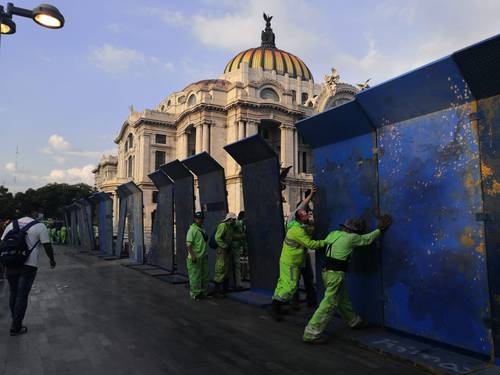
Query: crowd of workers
229	241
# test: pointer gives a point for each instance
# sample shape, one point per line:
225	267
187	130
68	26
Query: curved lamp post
45	15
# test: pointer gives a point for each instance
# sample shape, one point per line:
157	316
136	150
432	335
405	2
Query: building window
159	159
192	100
305	96
294	96
269	94
130	167
304	162
160	138
130	142
155	197
191	134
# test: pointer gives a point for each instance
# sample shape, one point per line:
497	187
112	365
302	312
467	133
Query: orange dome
269	58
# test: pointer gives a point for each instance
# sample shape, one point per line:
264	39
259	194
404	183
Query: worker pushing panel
212	192
263	208
345	163
184	208
162	239
104	205
435	131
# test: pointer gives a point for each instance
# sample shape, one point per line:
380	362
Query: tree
51	199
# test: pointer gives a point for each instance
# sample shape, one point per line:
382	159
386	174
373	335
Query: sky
66	93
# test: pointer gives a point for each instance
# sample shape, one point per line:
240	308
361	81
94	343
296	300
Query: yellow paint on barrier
466	237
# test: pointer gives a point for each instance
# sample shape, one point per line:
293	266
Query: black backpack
13	249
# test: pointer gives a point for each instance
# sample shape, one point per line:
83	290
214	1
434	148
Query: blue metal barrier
421	147
104	205
132	213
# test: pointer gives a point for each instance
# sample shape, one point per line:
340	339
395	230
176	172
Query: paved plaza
90	316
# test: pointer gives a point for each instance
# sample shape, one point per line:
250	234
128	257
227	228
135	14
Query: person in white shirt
21	279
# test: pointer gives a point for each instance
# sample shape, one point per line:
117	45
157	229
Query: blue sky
65	93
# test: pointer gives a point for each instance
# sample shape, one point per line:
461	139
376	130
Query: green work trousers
222	262
287	282
198	277
236	255
336	298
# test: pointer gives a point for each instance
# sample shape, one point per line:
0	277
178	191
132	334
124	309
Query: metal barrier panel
88	222
122	216
162	239
83	229
135	221
74	225
213	195
184	208
488	123
433	258
105	222
263	208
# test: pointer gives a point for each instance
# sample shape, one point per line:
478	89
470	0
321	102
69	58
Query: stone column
182	148
252	128
206	137
232	134
199	138
286	157
241	130
295	151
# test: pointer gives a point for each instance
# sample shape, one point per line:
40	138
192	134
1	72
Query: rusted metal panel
263	208
184	208
488	124
162	239
213	195
434	263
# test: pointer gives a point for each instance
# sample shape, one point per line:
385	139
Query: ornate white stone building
263	90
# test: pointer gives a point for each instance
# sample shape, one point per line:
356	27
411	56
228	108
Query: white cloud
72	175
167	16
58	143
116	60
114	27
10	167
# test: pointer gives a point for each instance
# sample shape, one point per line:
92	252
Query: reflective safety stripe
292	243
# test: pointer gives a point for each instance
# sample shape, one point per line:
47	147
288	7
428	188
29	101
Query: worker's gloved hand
384	222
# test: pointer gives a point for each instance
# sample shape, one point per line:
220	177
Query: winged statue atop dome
332	80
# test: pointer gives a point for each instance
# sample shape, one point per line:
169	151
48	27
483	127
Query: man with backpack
22	242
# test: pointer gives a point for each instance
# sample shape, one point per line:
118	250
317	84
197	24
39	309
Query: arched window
305	96
130	166
169	103
130	142
192	100
269	94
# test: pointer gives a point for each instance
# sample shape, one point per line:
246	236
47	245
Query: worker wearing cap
197	259
292	258
340	246
223	238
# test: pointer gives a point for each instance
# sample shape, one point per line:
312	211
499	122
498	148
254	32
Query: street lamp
45	15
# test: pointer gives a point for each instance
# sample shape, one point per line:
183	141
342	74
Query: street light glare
48	16
7	26
48	21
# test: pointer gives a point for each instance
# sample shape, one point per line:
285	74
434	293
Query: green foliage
50	199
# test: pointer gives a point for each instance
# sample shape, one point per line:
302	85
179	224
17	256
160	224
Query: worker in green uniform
63	234
223	238
292	258
52	234
237	245
197	259
340	246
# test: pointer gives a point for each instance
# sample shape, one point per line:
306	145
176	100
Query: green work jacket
340	243
239	234
224	235
295	244
196	238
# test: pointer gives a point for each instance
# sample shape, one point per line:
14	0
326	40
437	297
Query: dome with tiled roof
268	57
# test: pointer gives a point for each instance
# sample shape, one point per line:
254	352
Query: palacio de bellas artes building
263	90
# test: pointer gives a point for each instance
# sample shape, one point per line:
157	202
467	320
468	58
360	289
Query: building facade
263	90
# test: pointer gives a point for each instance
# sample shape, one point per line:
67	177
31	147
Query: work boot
218	291
275	311
317	341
